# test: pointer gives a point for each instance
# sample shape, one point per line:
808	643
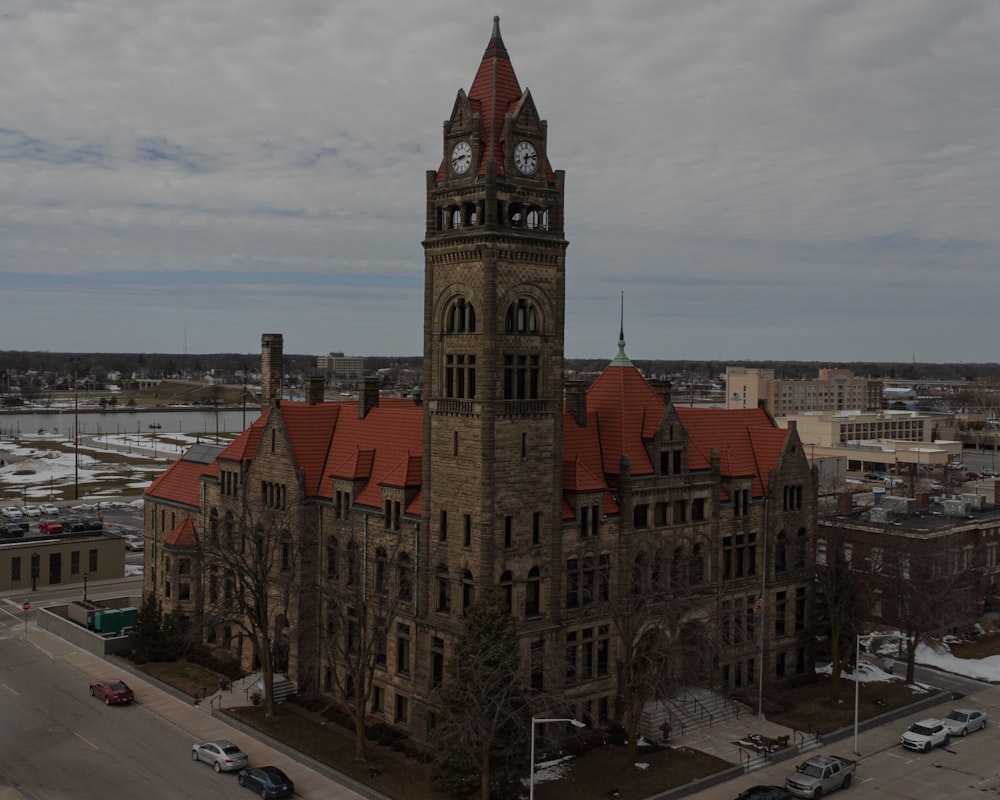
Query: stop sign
26	606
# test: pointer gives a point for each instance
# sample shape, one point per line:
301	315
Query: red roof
494	93
181	482
244	446
183	535
748	441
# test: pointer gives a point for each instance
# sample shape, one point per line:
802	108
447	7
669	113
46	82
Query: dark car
765	793
74	524
11	530
113	693
267	781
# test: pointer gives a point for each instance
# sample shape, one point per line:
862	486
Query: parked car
132	542
937	486
925	735
821	774
50	526
962	720
267	781
223	755
113	692
11	530
972	476
988	473
12	513
49	510
31	511
875	476
765	793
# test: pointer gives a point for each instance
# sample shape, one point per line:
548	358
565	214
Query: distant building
338	367
946	548
833	390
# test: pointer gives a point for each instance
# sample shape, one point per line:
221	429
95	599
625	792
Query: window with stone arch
522	317
461	316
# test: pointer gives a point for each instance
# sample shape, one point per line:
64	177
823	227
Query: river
94	422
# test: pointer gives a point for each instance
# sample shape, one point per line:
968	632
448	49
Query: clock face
461	157
525	157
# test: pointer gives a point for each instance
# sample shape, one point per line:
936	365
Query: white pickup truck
821	774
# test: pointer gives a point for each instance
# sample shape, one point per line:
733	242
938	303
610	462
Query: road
58	743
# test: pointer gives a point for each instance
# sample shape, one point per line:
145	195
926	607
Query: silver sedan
224	756
962	720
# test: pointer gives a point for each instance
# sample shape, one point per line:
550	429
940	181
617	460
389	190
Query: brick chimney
315	386
272	367
664	388
367	395
576	401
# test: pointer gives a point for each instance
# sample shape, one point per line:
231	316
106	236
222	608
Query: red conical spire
495	91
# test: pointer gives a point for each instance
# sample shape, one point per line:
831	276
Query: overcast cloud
780	179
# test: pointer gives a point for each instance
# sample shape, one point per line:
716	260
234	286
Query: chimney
315	386
272	367
664	388
576	401
367	395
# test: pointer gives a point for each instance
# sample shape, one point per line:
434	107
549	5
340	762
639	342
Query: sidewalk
198	720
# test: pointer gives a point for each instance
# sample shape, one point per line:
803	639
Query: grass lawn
804	708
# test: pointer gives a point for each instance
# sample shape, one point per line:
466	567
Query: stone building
500	473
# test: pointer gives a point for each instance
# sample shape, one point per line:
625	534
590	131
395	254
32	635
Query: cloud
770	181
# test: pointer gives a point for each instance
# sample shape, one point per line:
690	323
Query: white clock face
525	157
461	157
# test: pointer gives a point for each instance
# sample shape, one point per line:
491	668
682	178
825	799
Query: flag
758	605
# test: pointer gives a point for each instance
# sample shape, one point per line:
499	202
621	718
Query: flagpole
760	631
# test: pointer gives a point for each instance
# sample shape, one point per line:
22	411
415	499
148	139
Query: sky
780	180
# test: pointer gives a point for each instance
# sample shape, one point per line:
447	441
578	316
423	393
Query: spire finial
621	360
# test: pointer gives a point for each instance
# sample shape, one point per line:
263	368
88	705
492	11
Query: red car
114	693
50	526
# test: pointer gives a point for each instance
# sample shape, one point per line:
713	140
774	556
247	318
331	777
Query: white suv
13	514
924	735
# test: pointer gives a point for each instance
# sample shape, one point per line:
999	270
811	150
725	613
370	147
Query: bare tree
251	569
843	598
665	637
933	592
361	600
486	719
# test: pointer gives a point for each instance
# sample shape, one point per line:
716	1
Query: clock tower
494	308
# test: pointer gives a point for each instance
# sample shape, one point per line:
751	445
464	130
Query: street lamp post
535	721
857	684
84	587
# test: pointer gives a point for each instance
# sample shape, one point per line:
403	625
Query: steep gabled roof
310	429
493	93
748	441
183	534
627	410
390	434
407	474
243	447
181	481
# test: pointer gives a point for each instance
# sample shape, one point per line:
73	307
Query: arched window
381	570
468	592
696	567
332	565
404	577
352	563
461	317
800	548
507	590
443	590
522	317
533	594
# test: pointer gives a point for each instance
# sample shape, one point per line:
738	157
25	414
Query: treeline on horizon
175	364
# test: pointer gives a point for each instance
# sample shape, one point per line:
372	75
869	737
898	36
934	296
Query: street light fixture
535	721
84	587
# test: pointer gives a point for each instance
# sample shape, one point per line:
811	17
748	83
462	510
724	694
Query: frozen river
144	422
